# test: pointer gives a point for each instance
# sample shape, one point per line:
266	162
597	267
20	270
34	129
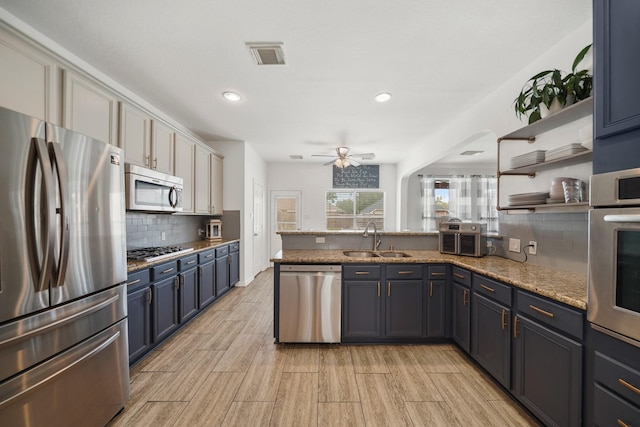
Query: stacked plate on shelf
528	159
564	151
528	199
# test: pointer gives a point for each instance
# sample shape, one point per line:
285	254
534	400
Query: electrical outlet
489	243
533	249
163	236
320	240
514	245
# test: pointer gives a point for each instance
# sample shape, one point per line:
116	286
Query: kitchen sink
371	254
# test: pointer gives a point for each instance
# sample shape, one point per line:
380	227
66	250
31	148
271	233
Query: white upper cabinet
162	143
89	108
202	181
135	135
216	185
184	162
27	80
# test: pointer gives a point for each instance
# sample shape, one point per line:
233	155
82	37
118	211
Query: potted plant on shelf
548	91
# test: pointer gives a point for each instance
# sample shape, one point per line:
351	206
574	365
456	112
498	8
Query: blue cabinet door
436	308
189	301
361	310
616	85
234	268
404	308
165	307
461	311
547	371
491	337
206	284
222	275
139	322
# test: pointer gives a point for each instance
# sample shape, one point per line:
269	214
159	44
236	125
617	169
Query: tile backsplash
145	229
562	239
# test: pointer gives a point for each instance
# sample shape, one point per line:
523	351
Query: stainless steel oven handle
622	218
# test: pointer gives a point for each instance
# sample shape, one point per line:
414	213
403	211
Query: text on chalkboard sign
363	176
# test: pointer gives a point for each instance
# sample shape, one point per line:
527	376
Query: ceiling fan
342	158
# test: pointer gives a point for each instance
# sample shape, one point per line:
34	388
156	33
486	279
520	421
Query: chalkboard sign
363	176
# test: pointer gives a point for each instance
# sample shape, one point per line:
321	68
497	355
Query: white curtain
487	189
461	197
428	196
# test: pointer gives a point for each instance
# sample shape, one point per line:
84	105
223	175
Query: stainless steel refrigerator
63	312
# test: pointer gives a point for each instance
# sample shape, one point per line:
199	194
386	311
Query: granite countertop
567	287
198	246
354	233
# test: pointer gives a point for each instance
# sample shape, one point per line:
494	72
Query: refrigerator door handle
40	269
61	169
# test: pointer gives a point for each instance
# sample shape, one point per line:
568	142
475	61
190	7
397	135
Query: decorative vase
555	106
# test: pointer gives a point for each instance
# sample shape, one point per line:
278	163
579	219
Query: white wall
313	180
493	113
243	166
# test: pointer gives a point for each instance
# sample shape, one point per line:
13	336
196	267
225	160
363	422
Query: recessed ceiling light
471	152
383	97
231	96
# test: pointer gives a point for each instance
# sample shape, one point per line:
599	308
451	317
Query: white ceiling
436	57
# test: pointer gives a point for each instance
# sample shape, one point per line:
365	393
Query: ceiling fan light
341	163
383	97
231	96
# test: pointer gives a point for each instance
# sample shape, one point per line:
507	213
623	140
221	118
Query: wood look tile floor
223	369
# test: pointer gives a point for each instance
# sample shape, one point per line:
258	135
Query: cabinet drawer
492	289
161	271
437	272
610	410
365	272
618	377
206	256
234	247
405	271
222	251
461	276
551	314
138	280
187	262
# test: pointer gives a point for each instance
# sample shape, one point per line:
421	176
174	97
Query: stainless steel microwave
152	191
463	238
614	254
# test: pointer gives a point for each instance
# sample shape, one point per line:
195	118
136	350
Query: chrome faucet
376	241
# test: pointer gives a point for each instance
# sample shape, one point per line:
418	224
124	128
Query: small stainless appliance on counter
63	302
463	238
310	304
614	255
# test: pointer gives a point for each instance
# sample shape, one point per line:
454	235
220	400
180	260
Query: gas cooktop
156	253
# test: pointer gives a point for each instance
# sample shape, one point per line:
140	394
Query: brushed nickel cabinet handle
146	160
458	275
405	272
155	163
360	273
209	256
150	296
168	270
504	325
378	288
437	274
388	289
134	282
464	297
487	288
622	423
629	386
430	289
541	311
515	326
191	262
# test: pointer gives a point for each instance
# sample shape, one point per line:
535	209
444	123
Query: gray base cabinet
206	284
461	316
189	301
361	313
491	338
436	309
165	307
222	270
139	322
234	263
404	308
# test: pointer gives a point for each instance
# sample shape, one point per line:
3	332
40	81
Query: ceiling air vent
267	53
295	156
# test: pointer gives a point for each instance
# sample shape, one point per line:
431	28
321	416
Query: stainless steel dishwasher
310	304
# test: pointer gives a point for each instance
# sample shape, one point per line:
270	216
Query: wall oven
463	238
614	254
152	191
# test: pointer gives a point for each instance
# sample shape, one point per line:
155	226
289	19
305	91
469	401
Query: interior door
259	259
286	208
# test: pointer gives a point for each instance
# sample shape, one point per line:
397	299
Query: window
352	209
468	198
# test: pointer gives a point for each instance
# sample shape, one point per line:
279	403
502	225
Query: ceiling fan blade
324	155
353	162
364	155
328	163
